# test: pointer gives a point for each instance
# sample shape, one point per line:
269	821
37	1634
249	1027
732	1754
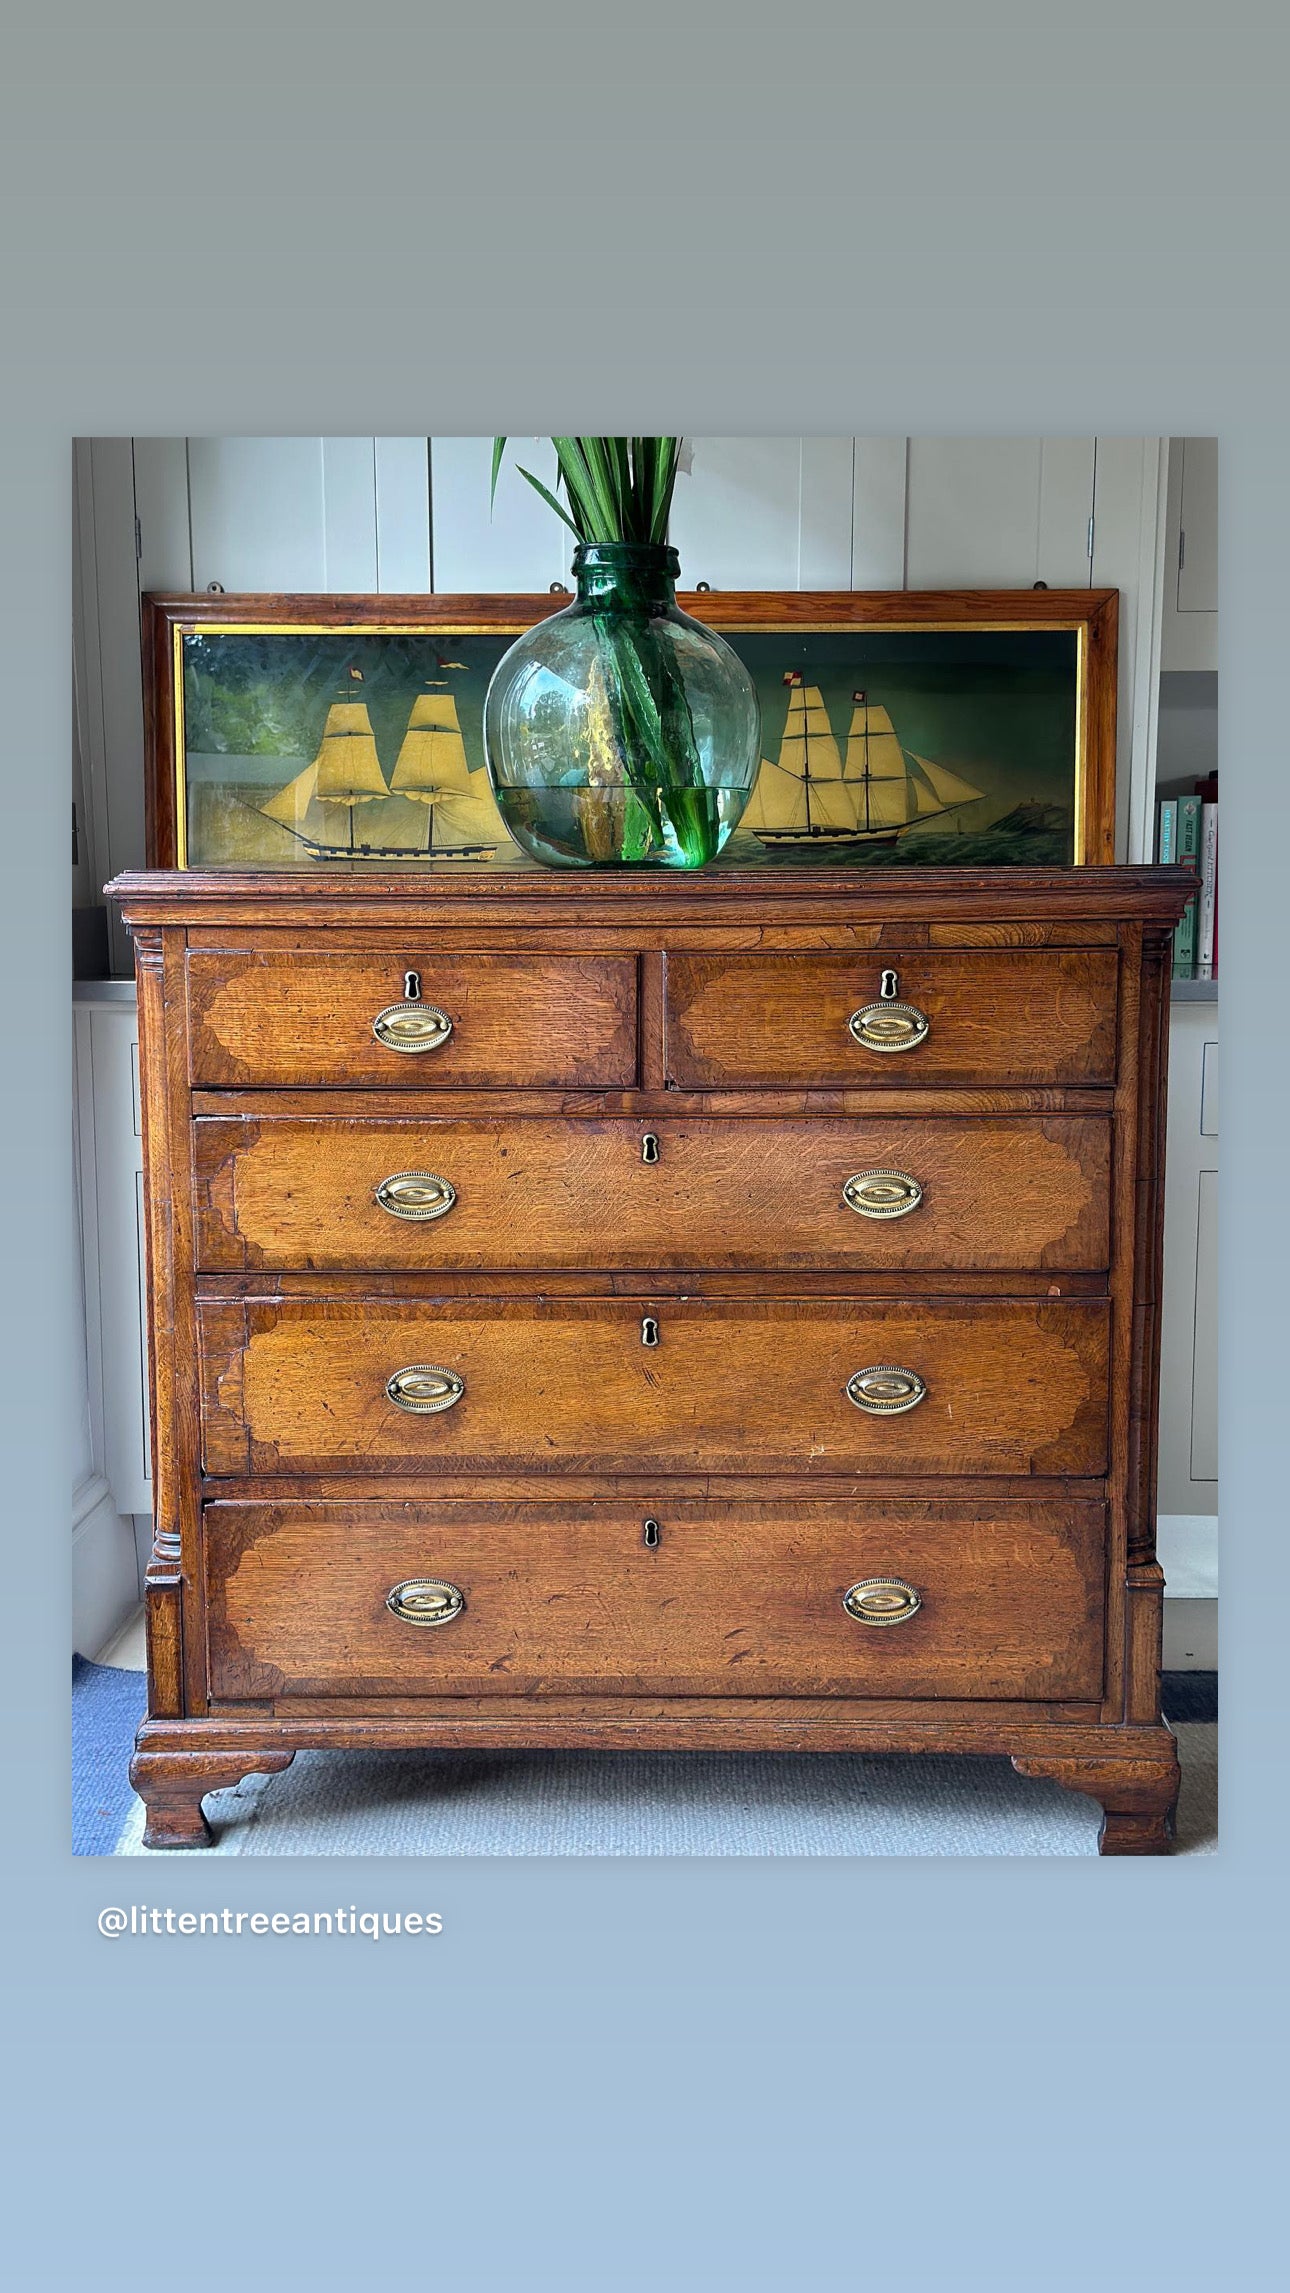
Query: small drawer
805	1598
415	1021
986	1015
336	1192
589	1385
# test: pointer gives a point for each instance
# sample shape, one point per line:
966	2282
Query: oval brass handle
424	1389
881	1600
889	1026
885	1390
425	1600
412	1027
416	1194
882	1193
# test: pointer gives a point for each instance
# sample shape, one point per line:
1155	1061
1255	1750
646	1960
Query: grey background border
1010	218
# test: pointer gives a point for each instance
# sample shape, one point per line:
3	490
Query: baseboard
105	1569
1188	1547
1191	1635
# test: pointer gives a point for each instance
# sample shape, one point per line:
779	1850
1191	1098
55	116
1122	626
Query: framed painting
955	728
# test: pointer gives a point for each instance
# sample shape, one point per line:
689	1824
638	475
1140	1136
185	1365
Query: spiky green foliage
617	489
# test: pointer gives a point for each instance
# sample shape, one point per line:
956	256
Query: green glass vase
619	732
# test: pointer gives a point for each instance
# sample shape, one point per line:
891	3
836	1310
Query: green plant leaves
618	489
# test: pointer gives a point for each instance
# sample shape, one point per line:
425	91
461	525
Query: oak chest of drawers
627	1311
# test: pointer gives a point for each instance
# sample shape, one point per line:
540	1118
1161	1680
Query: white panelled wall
404	515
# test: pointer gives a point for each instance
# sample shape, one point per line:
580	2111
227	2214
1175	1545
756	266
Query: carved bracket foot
1138	1796
173	1784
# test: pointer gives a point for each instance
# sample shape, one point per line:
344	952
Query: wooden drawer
299	1384
735	1600
306	1018
997	1016
565	1193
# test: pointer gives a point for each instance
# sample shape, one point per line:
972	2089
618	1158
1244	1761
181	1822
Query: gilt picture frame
940	728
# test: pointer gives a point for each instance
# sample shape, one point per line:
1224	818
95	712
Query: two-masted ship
431	773
874	794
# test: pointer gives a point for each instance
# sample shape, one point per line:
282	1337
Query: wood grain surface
1001	1016
576	1193
712	1011
258	1016
742	1600
299	1385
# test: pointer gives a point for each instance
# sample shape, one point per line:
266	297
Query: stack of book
1188	838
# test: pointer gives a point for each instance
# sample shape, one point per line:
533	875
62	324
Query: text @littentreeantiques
148	1919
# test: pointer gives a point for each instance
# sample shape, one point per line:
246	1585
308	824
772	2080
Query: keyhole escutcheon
649	1147
889	987
412	987
652	1535
649	1331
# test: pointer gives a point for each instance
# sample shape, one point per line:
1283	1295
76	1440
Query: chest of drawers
628	1311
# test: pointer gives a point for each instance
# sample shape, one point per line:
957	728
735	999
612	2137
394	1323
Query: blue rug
107	1706
1186	1696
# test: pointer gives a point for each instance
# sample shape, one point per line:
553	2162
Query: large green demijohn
620	732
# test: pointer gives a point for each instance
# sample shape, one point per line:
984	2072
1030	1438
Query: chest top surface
624	900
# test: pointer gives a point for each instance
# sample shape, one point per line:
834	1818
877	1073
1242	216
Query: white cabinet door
1188	1368
519	545
1189	623
1128	545
1198	527
111	1182
765	513
999	513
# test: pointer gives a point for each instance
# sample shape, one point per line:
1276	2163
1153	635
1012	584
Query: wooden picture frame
1039	665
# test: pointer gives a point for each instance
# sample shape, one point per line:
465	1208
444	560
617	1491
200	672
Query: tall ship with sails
813	794
431	773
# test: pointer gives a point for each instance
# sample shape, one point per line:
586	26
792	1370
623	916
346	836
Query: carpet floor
630	1803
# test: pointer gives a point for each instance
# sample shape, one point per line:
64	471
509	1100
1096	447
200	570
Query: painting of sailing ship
874	794
312	746
309	751
431	778
913	748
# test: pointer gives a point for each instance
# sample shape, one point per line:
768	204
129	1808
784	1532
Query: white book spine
1208	889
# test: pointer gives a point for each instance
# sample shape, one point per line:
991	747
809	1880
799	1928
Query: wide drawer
334	1192
731	1599
282	1017
1000	1016
301	1384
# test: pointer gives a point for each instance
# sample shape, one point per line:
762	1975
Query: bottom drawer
725	1598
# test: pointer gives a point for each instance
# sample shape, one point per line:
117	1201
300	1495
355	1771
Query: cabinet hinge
1182	549
1090	540
138	542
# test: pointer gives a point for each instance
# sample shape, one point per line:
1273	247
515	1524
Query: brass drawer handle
881	1600
882	1193
889	1026
416	1194
885	1390
412	1027
425	1600
424	1389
